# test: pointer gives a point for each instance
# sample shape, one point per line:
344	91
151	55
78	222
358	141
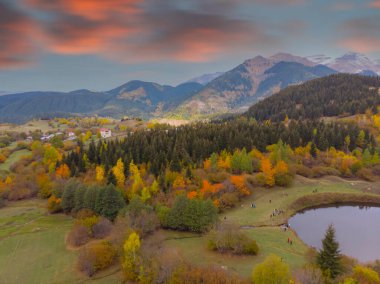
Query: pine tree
313	150
111	178
329	257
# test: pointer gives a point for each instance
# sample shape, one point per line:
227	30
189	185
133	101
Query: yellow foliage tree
179	182
281	167
272	270
131	248
365	275
137	184
45	185
8	180
99	173
118	171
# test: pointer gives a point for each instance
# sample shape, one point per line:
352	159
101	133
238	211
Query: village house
105	132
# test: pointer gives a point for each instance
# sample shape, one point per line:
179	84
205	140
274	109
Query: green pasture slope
262	228
33	250
14	157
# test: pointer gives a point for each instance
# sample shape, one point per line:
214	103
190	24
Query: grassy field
33	250
266	200
14	157
262	228
36	124
269	239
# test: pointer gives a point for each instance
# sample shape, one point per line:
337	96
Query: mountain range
208	95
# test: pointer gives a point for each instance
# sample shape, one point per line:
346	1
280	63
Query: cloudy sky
100	44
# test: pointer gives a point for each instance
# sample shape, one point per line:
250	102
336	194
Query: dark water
357	229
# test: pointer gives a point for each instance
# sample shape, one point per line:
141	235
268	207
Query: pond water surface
357	229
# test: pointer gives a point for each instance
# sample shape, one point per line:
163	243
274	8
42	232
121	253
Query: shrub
283	179
54	204
102	228
88	222
366	174
229	238
217	177
320	171
303	171
95	257
250	247
79	235
229	199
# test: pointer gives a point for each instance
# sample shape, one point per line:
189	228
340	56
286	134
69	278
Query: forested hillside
178	148
335	95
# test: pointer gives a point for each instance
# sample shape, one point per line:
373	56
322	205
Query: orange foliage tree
268	171
63	171
239	182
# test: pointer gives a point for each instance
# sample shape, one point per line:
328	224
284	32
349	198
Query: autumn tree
118	171
272	271
63	171
99	170
268	172
239	182
131	249
365	275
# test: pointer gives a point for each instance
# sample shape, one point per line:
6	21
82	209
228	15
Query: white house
105	133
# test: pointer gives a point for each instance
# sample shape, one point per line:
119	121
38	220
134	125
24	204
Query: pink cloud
361	35
15	38
144	29
375	4
361	44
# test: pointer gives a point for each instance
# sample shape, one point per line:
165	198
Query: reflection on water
357	229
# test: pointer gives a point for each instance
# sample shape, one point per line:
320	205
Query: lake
357	229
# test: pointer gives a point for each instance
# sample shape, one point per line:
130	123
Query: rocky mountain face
253	80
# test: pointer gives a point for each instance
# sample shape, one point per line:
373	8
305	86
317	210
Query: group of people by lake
276	212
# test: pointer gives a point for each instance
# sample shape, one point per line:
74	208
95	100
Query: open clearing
32	242
262	228
33	250
14	157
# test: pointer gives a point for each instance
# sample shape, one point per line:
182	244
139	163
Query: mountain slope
255	78
133	98
24	106
143	99
334	95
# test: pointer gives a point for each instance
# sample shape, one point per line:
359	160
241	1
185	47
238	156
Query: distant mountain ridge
249	82
206	78
352	62
135	98
208	95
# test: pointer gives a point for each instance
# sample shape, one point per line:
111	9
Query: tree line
178	148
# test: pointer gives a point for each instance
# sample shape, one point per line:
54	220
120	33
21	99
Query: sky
65	45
